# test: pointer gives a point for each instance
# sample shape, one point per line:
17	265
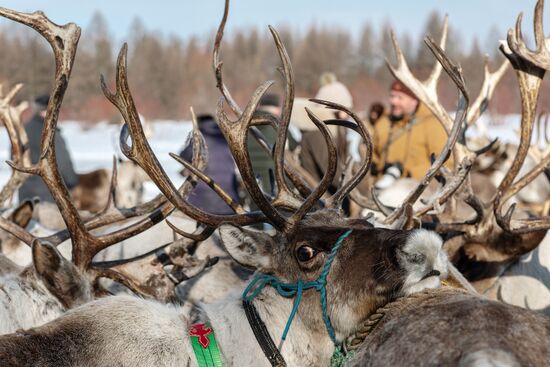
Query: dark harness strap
262	336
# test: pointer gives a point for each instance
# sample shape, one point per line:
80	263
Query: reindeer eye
416	258
305	253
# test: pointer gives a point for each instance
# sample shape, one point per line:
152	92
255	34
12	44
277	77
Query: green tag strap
340	359
205	346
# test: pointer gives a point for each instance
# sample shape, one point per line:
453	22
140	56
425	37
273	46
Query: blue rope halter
288	290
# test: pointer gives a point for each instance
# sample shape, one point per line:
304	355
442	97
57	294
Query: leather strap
262	336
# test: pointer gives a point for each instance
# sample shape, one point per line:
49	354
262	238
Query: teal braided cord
288	290
323	279
340	359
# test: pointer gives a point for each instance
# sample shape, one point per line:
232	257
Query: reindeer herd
457	272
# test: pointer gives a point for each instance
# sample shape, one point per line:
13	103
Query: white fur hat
301	120
335	92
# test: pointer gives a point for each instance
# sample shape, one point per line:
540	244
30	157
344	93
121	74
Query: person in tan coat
405	140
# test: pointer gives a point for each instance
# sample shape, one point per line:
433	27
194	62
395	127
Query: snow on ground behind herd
93	147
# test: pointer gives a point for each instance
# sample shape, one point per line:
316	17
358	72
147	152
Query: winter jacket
412	141
34	186
261	161
314	157
221	168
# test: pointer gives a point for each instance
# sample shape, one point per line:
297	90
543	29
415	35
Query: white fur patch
489	358
25	304
423	254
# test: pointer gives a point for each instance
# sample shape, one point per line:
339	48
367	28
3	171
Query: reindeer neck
305	345
29	302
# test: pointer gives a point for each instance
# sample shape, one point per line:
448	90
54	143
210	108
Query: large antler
236	134
530	67
492	236
141	152
285	196
11	118
64	40
426	91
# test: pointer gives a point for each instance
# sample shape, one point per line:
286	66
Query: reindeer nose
433	273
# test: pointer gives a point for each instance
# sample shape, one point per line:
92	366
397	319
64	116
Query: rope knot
287	290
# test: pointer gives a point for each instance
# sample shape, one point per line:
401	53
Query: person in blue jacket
221	168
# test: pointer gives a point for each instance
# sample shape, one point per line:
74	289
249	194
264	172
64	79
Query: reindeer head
372	267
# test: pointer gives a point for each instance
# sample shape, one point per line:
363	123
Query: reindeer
51	285
94	187
297	240
41	292
355	266
490	248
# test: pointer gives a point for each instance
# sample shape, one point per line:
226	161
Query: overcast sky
194	17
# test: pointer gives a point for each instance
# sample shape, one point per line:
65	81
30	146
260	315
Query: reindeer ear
59	275
249	248
22	215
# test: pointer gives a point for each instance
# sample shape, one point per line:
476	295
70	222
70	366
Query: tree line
169	74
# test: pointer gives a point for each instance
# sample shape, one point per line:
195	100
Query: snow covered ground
93	148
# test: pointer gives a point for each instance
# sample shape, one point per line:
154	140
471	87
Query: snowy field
93	148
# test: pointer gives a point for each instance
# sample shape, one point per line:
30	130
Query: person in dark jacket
221	168
34	186
261	161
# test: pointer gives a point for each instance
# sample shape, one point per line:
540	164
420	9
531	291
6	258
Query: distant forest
169	74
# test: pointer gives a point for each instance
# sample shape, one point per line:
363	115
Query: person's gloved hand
392	172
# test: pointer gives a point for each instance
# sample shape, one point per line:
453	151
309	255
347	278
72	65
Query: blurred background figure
313	154
221	168
376	112
33	185
405	140
270	104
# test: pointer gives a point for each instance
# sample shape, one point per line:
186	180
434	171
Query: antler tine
529	75
217	64
527	178
538	127
336	200
11	117
327	178
8	98
110	205
490	81
455	72
346	171
141	152
237	208
433	79
540	57
285	197
15	230
524	225
206	232
450	188
426	91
